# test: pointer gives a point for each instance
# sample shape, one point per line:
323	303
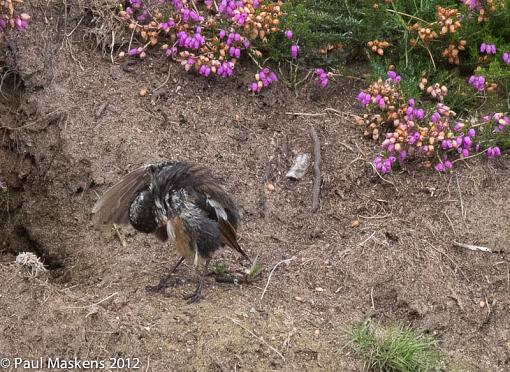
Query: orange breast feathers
182	239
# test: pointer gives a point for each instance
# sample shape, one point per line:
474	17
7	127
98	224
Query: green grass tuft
394	349
255	270
220	268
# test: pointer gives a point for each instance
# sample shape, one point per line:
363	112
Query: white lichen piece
31	263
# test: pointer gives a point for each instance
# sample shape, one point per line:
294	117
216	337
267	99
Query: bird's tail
229	237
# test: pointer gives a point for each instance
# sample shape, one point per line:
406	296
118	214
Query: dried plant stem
316	170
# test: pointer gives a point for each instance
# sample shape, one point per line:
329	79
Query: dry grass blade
91	305
271	274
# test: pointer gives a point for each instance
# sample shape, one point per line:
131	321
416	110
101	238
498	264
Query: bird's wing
218	200
220	207
113	206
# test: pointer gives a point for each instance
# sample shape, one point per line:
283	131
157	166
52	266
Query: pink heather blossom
294	49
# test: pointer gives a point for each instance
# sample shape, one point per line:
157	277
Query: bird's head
162	210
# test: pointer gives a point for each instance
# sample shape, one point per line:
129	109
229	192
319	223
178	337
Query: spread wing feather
113	206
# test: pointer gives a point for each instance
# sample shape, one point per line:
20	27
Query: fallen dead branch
316	170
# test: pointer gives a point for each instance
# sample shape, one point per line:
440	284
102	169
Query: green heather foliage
347	26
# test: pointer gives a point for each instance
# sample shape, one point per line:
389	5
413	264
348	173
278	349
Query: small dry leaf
143	92
319	289
300	299
270	186
355	223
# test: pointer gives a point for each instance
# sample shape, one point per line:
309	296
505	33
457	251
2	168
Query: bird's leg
164	281
195	297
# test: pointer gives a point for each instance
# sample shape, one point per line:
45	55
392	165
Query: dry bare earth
398	265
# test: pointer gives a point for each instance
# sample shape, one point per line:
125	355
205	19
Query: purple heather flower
419	114
435	117
294	49
488	48
493	152
204	70
506	58
491	49
226	69
288	34
380	101
440	167
364	98
171	51
471	132
222	34
478	82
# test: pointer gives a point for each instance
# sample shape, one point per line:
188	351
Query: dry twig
316	170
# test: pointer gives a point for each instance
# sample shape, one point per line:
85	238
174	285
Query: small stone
300	299
270	186
319	289
317	332
482	303
355	223
143	92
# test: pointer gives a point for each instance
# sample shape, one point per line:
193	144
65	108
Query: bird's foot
164	283
194	297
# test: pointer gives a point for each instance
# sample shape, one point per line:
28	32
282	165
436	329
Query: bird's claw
163	284
193	298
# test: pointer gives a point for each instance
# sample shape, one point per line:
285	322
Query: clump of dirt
80	124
